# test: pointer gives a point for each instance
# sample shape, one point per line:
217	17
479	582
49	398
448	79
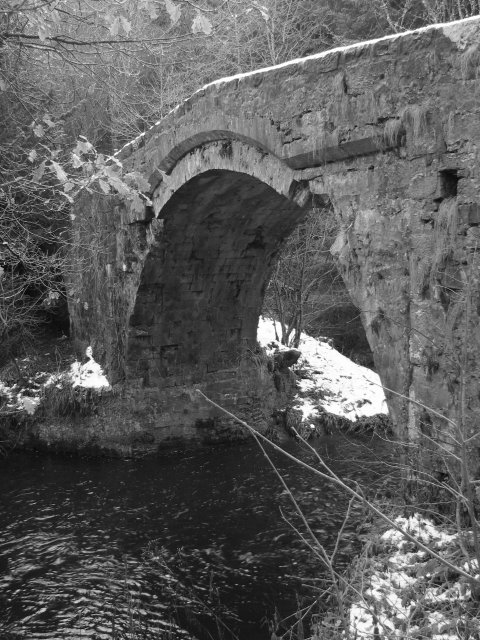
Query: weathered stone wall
388	131
172	302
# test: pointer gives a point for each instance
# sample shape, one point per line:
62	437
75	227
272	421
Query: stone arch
202	139
234	155
221	217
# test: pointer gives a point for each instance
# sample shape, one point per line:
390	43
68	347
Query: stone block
474	214
423	186
469	214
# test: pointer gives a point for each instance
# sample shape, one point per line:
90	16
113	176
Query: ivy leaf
138	205
48	121
104	186
38	130
201	24
111	173
118	184
76	161
32	156
136	178
39	171
60	173
174	11
83	146
114	27
68	186
126	26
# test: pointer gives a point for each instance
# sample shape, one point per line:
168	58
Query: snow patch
405	589
30	405
331	381
28	398
422	529
89	375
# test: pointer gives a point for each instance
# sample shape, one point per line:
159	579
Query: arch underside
204	279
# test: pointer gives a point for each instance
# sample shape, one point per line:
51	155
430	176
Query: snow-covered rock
330	382
89	375
28	396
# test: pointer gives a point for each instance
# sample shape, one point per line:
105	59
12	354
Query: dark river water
180	545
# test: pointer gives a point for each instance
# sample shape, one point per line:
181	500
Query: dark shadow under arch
204	279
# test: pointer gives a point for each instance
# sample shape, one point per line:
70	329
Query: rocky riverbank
393	590
51	400
332	391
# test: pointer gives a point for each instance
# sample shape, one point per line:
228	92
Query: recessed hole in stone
448	183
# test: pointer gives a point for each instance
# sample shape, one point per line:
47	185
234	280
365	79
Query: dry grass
64	400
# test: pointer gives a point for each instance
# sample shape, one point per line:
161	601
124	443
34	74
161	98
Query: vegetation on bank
47	381
417	577
396	590
332	392
426	586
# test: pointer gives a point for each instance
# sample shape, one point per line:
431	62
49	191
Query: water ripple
156	548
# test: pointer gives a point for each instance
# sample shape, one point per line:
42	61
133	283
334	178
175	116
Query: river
171	546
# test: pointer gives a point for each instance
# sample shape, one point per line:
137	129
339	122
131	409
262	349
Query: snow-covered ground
330	381
399	590
27	395
408	594
89	375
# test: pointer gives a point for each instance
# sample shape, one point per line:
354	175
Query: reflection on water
129	549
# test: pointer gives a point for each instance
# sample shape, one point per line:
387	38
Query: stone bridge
388	133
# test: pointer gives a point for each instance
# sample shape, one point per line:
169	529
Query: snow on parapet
457	31
453	30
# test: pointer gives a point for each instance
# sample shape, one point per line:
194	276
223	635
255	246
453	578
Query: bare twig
332	477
